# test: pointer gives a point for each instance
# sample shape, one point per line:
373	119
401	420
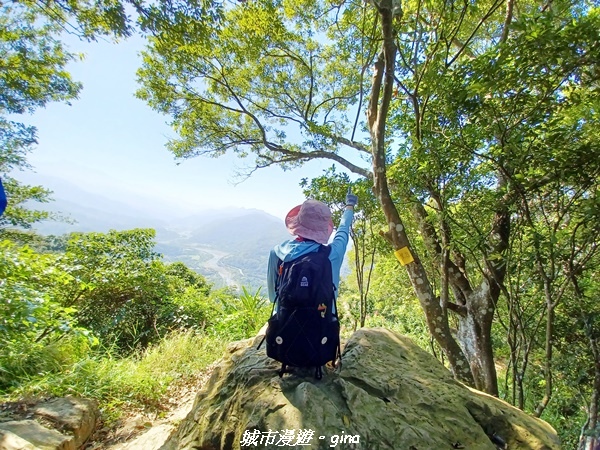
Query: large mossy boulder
388	394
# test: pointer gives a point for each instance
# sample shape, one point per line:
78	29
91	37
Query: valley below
216	268
229	247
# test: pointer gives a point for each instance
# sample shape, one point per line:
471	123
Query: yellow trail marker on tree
404	256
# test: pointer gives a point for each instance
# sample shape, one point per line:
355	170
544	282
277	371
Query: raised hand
351	199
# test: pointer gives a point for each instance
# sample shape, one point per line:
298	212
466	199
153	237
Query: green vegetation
471	132
141	382
105	318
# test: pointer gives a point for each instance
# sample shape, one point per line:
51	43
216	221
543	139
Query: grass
152	381
122	385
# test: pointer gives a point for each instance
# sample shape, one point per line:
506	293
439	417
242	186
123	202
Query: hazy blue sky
109	142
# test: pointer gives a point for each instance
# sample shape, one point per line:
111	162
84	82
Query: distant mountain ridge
228	246
237	232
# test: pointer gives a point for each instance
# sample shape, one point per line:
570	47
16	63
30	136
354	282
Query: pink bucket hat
310	220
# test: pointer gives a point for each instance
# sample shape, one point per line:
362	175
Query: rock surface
62	424
388	394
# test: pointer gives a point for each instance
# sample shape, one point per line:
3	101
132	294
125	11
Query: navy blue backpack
305	330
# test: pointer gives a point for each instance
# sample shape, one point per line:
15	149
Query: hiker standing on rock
303	277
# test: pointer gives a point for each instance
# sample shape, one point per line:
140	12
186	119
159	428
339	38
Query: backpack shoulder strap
278	272
325	248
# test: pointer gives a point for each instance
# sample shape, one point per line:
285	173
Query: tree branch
510	4
298	156
352	144
491	11
459	281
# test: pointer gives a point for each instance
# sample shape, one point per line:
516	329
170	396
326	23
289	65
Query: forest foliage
469	130
77	314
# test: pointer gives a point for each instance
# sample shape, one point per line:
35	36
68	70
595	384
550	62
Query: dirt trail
143	433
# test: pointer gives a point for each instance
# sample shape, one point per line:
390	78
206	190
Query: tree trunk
474	308
474	335
549	345
548	363
381	94
361	259
589	439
